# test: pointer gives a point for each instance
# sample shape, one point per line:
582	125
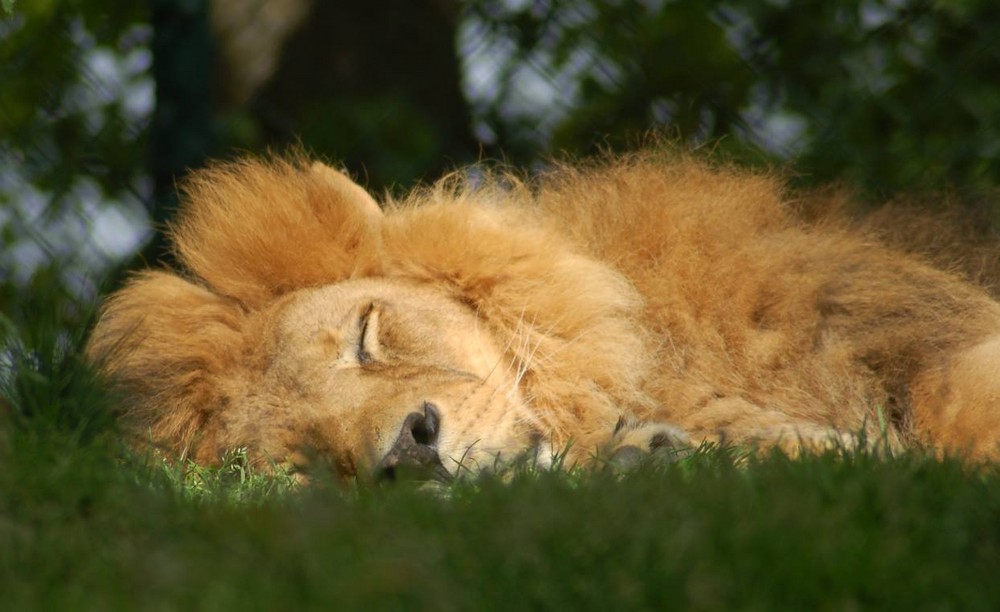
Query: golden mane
657	287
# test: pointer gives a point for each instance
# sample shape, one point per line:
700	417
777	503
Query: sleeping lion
627	306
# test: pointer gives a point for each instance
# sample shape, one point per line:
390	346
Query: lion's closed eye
368	328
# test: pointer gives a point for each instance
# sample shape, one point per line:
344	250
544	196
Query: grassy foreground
78	530
84	527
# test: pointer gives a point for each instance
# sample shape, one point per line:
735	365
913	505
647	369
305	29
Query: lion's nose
413	454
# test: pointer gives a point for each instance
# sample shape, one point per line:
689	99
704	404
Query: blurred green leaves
72	113
896	95
670	67
888	95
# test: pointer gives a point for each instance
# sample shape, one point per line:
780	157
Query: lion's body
662	291
764	321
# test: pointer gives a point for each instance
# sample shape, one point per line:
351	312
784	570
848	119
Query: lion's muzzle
414	454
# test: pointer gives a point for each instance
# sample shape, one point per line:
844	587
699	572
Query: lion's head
452	330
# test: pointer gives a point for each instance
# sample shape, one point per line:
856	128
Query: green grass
84	525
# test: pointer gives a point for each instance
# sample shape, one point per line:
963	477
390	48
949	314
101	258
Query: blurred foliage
896	95
618	69
71	142
888	95
57	119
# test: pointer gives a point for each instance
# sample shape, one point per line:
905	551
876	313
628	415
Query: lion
648	302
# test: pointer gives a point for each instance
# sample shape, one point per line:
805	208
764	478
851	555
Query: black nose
424	428
413	454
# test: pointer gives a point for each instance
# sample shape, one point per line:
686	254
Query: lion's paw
633	441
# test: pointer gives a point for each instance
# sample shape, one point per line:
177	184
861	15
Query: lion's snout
414	454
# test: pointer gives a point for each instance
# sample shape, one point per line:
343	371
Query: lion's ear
256	229
170	348
348	190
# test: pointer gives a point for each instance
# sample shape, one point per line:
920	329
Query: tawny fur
655	287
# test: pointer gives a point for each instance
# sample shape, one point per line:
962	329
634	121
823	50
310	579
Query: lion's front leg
734	421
